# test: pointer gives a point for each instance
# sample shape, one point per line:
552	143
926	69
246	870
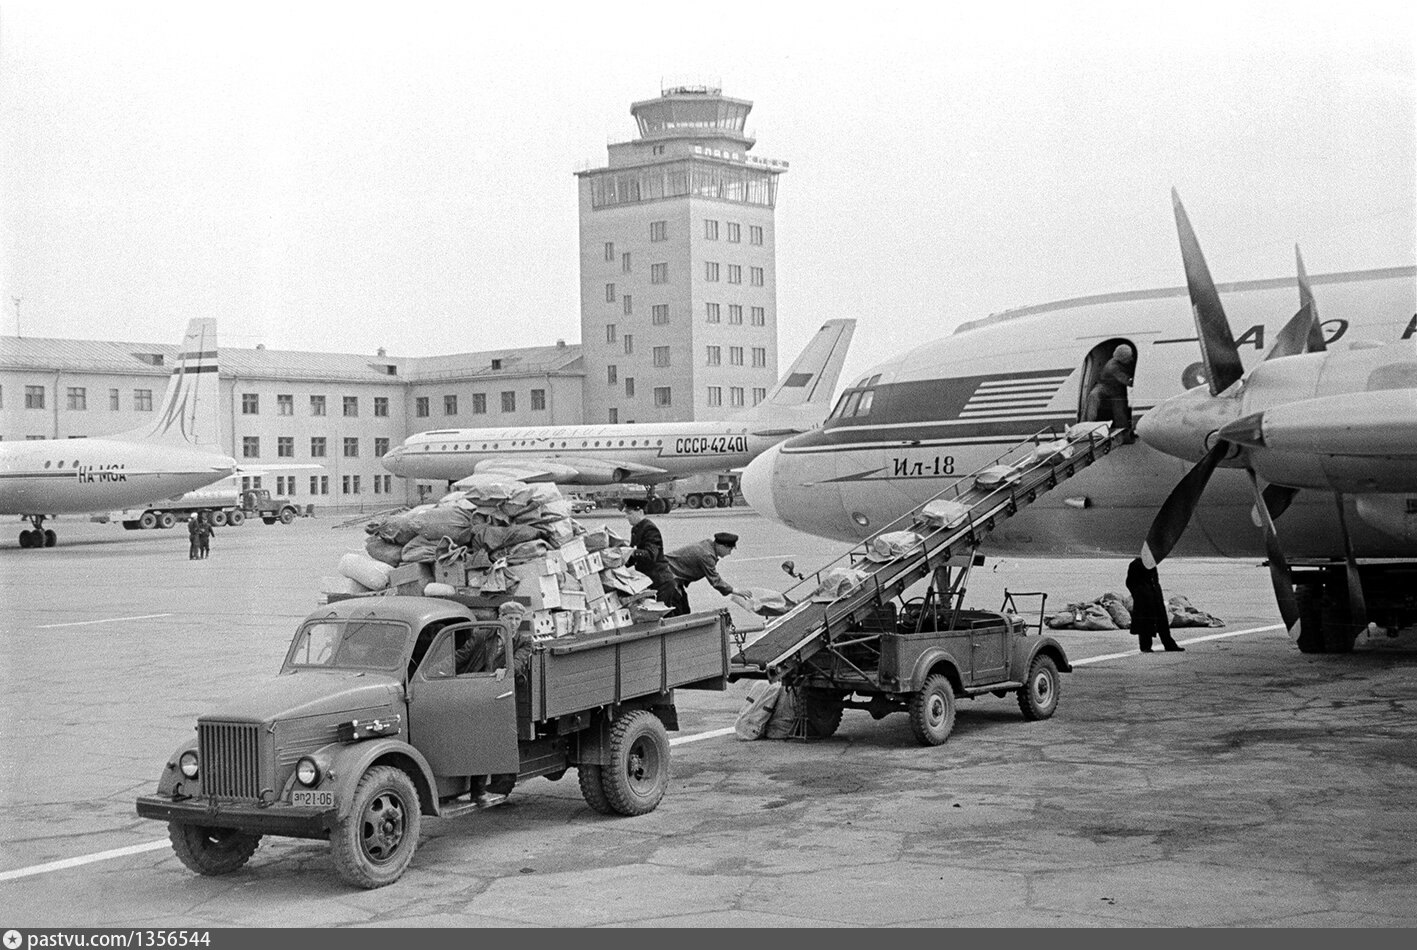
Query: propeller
1225	377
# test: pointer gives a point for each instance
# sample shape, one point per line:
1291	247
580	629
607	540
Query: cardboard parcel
502	539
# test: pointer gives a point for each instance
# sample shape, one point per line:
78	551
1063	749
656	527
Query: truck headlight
188	764
307	772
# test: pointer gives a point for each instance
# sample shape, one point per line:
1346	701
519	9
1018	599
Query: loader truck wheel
212	851
822	709
166	520
374	843
148	521
592	783
1039	697
219	519
638	772
932	711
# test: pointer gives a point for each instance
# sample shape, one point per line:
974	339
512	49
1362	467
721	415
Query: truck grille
229	759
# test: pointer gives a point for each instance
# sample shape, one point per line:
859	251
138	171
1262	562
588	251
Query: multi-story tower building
678	283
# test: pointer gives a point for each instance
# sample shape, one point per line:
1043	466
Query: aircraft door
1097	406
462	702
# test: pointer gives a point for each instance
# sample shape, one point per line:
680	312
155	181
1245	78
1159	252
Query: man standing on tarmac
700	560
648	558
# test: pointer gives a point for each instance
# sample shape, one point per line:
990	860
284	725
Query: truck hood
311	693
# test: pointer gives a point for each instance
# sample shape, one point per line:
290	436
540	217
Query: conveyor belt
792	638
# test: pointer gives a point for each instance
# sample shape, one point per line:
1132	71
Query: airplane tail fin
191	407
805	391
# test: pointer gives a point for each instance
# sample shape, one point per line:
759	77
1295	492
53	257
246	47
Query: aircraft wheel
25	539
50	538
693	501
709	501
148	521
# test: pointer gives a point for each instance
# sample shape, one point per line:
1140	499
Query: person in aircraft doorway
1107	399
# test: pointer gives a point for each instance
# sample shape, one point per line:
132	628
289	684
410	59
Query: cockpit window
353	644
854	403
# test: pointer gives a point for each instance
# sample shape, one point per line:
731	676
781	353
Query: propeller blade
1222	358
1293	338
1175	512
1357	604
1279	574
1277	499
1316	342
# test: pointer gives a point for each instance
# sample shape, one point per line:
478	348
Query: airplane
645	453
1330	429
177	453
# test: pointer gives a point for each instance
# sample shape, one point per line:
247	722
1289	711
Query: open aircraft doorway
1090	407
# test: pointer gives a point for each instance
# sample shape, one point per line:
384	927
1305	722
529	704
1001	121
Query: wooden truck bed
573	674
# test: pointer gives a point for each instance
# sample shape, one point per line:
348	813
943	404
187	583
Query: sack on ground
1120	613
1182	614
753	720
784	716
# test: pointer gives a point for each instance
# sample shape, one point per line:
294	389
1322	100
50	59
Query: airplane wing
571	470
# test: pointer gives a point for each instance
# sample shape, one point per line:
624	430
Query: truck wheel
148	521
268	520
932	711
287	515
131	526
638	772
593	788
219	519
693	501
236	517
1039	697
709	500
374	843
212	851
822	709
166	520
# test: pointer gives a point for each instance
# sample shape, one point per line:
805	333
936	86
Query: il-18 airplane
645	453
177	453
1327	417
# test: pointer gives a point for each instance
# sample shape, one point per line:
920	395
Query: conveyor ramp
812	624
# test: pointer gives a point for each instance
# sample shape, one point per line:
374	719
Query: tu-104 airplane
643	453
1320	407
177	453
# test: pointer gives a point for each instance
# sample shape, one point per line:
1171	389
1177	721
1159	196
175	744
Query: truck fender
168	781
350	762
937	660
1026	648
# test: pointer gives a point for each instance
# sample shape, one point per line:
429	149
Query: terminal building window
610	250
715	356
319	484
629	343
715	395
351	406
735	356
285	404
610	375
755	234
710	230
613	415
609	293
735	395
538	400
317	446
610	333
659	314
712	310
627	307
317	405
759	394
735	273
381	448
662	396
735	313
250	446
142	400
756	274
759	316
285	447
760	356
509	402
250	404
659	273
479	404
711	271
735	233
658	230
113	399
450	404
629	387
420	407
685	177
625	262
661	356
351	447
381	405
78	398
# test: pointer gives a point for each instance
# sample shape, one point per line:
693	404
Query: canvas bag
753	719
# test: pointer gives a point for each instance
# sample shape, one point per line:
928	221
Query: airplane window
597	443
874	380
61	463
840	409
622	441
76	463
866	399
852	400
47	464
584	444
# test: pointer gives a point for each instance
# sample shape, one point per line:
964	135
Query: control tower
678	280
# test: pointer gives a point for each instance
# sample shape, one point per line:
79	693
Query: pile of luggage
502	539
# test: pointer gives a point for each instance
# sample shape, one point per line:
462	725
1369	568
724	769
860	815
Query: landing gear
38	536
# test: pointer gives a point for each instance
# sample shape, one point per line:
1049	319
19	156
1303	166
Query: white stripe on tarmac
679	740
84	623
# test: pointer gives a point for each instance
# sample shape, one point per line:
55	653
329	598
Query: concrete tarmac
1238	784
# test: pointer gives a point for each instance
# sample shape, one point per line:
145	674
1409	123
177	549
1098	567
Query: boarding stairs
812	624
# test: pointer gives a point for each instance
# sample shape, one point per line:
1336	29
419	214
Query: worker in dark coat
1107	399
1150	616
649	558
700	561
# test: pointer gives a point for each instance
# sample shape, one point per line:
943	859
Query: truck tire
373	844
235	517
932	710
693	501
131	526
212	851
638	773
166	520
219	518
593	788
267	519
287	515
1041	689
148	521
822	709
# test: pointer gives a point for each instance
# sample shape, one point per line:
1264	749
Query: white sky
341	177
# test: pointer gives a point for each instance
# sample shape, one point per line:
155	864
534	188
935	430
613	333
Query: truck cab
258	503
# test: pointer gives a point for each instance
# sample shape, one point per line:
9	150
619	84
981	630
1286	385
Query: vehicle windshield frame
383	660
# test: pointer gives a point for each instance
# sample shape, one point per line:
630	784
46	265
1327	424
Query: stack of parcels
507	539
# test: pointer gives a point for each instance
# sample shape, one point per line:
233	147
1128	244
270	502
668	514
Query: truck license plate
323	798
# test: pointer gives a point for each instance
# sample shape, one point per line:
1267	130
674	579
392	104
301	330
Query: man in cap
1107	400
649	558
700	561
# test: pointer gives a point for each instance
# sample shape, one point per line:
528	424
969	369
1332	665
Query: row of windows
285	447
735	395
712	269
287	485
735	356
77	398
421	405
713	313
735	232
285	405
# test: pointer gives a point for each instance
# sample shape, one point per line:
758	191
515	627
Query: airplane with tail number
644	453
180	451
1309	415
